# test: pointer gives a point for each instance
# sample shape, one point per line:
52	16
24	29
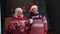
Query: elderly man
38	21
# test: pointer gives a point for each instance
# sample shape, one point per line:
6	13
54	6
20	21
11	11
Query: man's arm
45	24
31	21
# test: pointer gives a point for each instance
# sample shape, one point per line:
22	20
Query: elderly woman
19	23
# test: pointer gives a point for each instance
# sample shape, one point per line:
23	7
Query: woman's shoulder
13	18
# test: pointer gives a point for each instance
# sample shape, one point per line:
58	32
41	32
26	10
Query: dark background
53	12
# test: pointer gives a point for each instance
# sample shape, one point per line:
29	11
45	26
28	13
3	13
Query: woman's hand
22	30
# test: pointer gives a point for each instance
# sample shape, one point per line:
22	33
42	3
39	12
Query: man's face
19	13
35	10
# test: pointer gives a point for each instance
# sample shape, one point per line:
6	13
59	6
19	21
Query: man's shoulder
41	14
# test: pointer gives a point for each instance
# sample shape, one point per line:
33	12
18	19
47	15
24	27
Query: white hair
16	10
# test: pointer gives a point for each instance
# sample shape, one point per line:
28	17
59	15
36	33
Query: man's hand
45	33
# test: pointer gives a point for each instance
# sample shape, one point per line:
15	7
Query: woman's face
35	10
19	13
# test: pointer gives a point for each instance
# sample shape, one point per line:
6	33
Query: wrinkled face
34	10
19	13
